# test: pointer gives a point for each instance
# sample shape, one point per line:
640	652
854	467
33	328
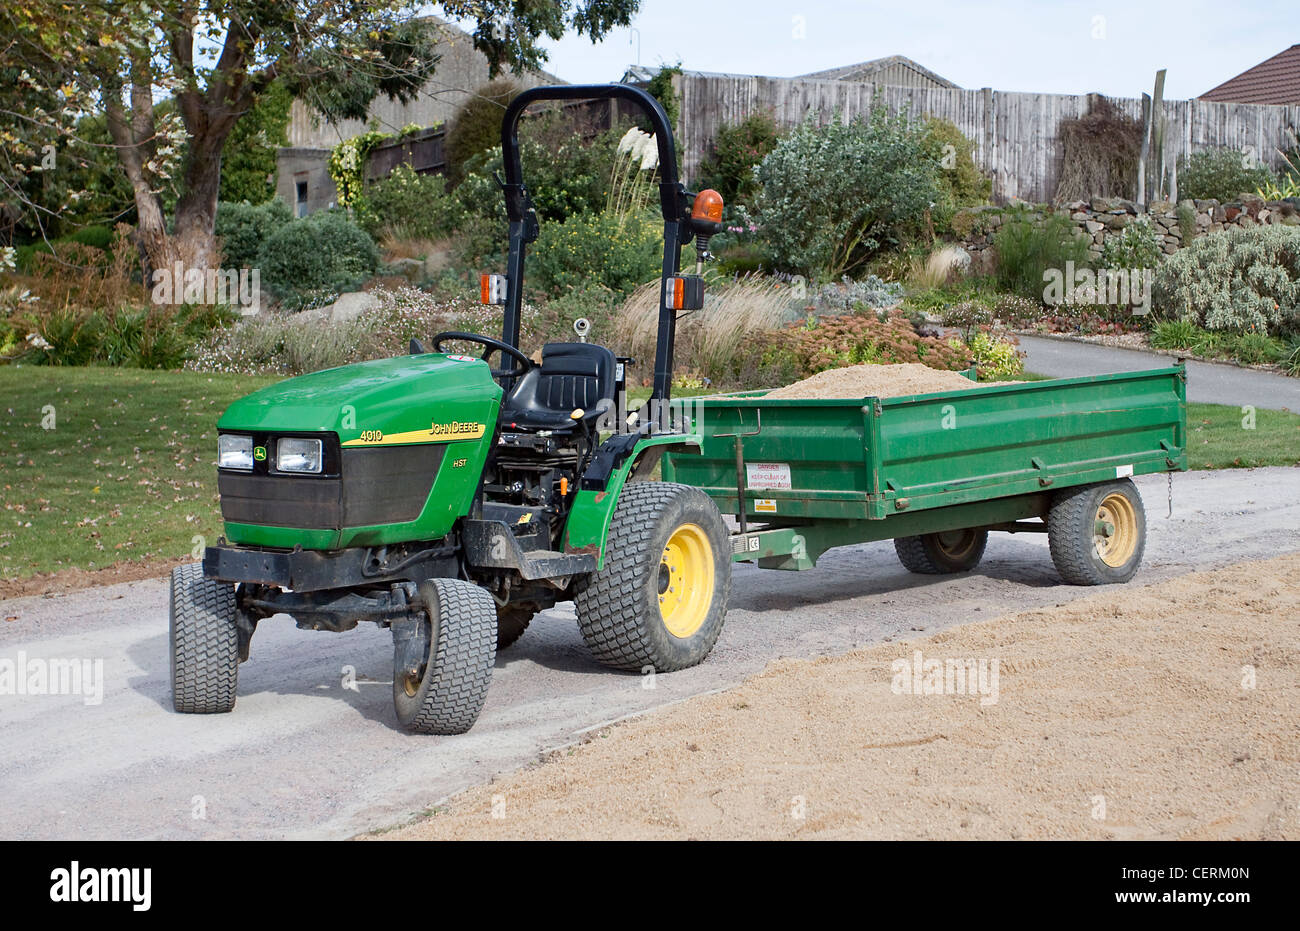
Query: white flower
38	341
649	153
8	258
630	139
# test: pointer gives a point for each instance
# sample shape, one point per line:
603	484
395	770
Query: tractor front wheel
445	692
204	643
660	601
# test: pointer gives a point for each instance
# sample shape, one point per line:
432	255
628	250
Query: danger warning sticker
765	506
767	475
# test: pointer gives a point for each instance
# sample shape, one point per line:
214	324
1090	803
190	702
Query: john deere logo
259	453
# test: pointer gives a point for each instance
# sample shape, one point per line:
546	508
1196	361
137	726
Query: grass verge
104	465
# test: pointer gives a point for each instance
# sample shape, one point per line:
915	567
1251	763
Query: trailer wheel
512	621
204	643
942	553
448	693
661	599
1097	533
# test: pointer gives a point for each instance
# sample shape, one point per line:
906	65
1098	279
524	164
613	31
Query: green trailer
936	472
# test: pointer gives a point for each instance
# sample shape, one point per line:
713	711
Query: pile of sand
874	381
1160	712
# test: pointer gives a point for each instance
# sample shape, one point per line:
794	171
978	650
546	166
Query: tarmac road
1207	382
302	756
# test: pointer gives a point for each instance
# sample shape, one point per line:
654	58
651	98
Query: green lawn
1220	437
127	472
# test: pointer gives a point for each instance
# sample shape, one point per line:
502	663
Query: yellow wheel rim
956	544
1115	531
686	580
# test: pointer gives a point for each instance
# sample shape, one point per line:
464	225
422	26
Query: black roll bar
674	203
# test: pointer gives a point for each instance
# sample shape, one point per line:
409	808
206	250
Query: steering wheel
491	345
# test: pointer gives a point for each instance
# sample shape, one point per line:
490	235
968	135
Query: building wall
459	73
307	166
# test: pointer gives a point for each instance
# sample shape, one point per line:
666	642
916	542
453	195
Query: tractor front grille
382	485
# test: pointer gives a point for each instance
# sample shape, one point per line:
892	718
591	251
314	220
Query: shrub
591	249
1238	279
996	357
1220	174
736	151
1290	360
94	237
961	182
1137	246
149	337
408	205
968	316
1173	334
832	196
244	228
309	261
1027	247
849	295
853	339
477	126
660	87
1256	348
1099	153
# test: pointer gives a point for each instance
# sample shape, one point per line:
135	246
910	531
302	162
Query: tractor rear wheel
942	553
1097	533
661	599
512	621
204	643
447	691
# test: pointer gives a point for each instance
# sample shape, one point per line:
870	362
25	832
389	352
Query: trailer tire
453	684
204	642
635	613
942	553
512	621
1097	533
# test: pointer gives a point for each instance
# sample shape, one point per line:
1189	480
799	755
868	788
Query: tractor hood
402	442
408	399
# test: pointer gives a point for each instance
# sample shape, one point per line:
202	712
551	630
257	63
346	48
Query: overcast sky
1114	48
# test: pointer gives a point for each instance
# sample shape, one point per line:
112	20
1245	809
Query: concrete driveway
303	756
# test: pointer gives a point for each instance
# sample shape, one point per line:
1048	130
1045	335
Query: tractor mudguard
598	493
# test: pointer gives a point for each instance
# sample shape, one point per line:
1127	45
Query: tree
216	59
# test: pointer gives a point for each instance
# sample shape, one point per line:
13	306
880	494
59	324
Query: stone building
302	179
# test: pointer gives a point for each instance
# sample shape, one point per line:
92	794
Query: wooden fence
1016	135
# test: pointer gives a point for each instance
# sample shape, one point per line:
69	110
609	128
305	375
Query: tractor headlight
295	454
235	452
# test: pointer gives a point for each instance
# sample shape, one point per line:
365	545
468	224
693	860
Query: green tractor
450	500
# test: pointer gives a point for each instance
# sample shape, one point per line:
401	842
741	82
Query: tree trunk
196	211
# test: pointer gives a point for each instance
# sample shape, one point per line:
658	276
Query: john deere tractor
450	497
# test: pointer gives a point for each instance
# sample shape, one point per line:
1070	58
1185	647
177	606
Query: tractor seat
571	376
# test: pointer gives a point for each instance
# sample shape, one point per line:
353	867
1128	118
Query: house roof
864	70
1273	81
